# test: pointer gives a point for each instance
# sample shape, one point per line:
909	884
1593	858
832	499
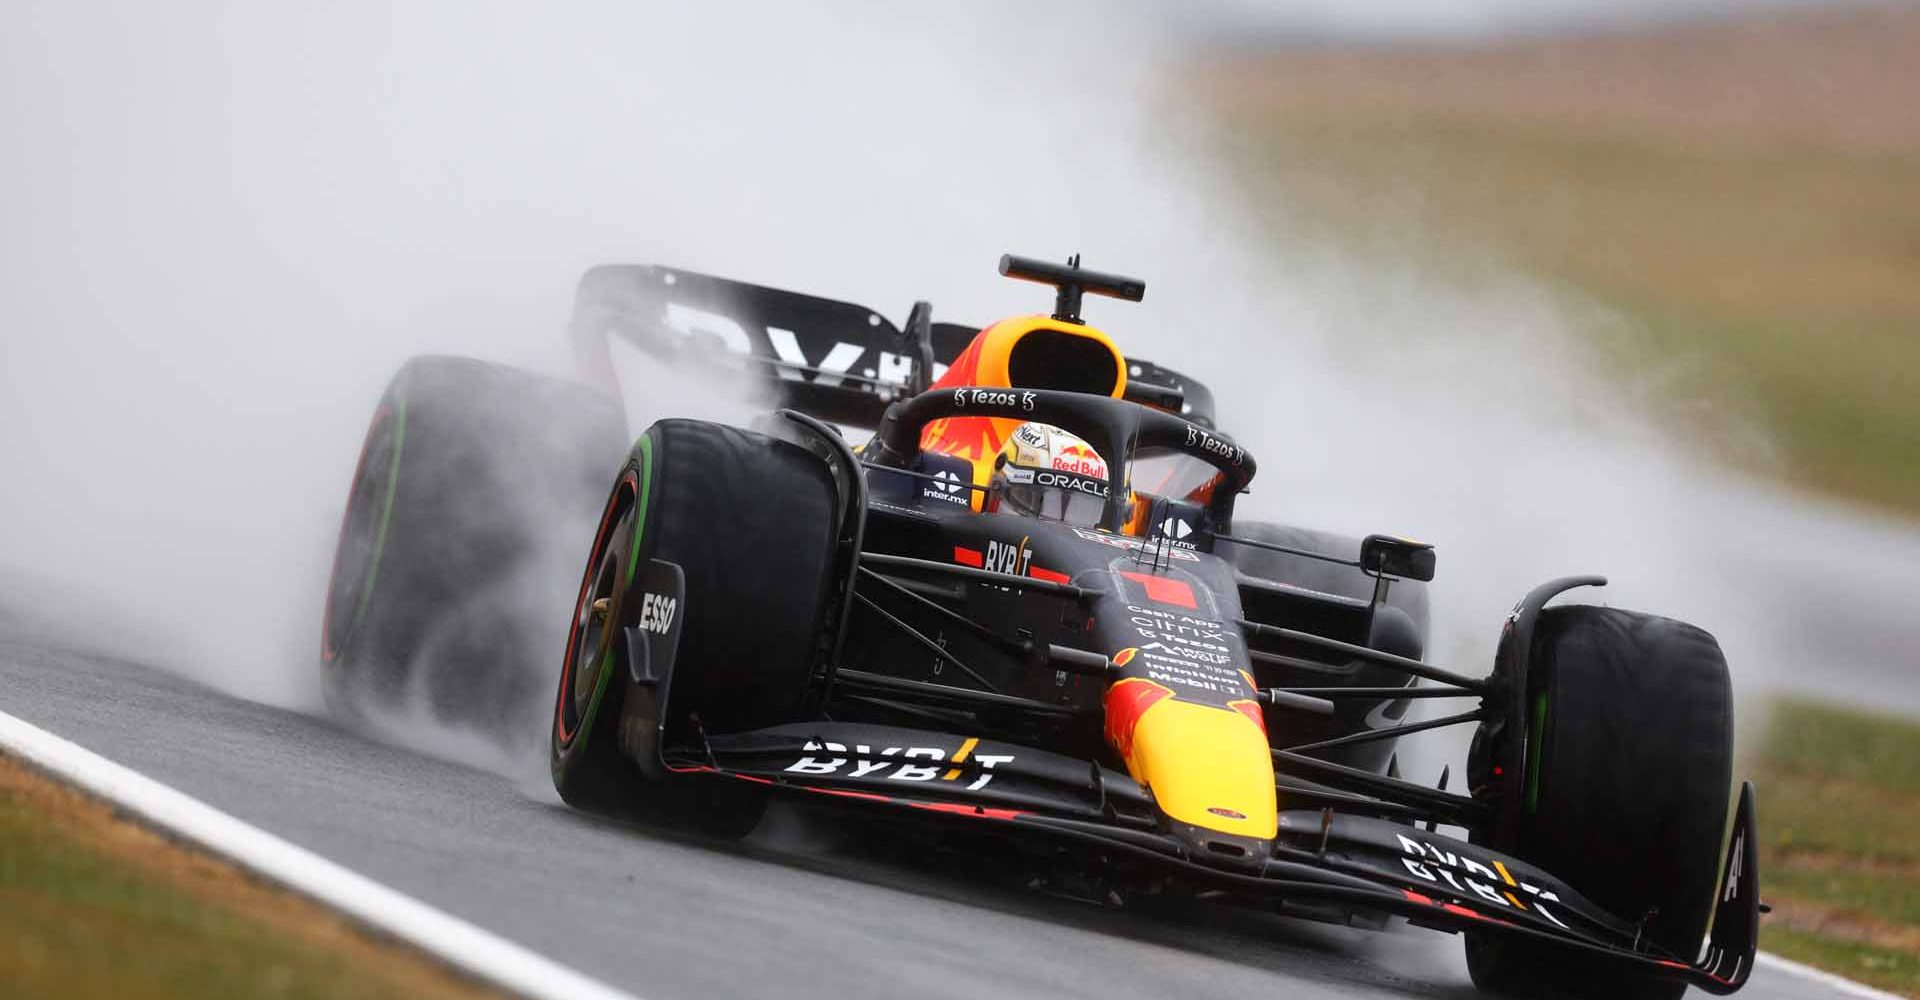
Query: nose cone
1209	768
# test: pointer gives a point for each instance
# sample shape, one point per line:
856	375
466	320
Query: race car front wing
1325	856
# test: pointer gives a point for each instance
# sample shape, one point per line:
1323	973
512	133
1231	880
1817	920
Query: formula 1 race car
1024	606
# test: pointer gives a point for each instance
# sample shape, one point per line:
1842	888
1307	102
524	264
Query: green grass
1839	853
93	907
1807	737
1895	971
1885	896
1843	785
1777	285
1838	398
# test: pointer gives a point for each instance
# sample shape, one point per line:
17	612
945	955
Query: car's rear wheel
470	475
1630	746
749	522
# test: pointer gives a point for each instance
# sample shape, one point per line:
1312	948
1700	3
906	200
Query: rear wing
835	360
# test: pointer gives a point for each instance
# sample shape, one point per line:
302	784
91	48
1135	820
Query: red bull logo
1081	460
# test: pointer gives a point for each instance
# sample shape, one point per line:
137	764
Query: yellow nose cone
1206	766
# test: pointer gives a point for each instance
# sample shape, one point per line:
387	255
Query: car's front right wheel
1625	795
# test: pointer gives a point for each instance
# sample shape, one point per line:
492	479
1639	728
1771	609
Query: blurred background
1623	286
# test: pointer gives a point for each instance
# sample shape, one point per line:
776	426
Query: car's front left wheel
724	539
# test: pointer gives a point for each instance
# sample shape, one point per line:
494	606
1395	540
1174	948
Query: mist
226	225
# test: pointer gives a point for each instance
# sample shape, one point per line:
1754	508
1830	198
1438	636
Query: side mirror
1385	555
1160	397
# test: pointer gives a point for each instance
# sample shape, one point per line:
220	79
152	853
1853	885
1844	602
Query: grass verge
92	905
1839	857
1755	285
1882	967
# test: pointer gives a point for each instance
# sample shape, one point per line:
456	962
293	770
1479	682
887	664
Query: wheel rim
595	623
592	638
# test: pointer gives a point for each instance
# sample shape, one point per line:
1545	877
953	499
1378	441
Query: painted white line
458	943
1839	984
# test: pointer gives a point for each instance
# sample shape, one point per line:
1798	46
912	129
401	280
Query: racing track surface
669	919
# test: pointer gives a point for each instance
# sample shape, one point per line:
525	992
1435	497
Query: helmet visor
1054	495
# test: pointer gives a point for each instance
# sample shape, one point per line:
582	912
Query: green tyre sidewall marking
1534	741
386	518
605	671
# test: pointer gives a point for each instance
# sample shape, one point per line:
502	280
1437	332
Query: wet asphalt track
670	919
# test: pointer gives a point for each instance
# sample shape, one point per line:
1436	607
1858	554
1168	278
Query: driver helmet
1046	472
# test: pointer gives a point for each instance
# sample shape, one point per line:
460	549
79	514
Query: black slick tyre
750	523
471	478
1626	793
